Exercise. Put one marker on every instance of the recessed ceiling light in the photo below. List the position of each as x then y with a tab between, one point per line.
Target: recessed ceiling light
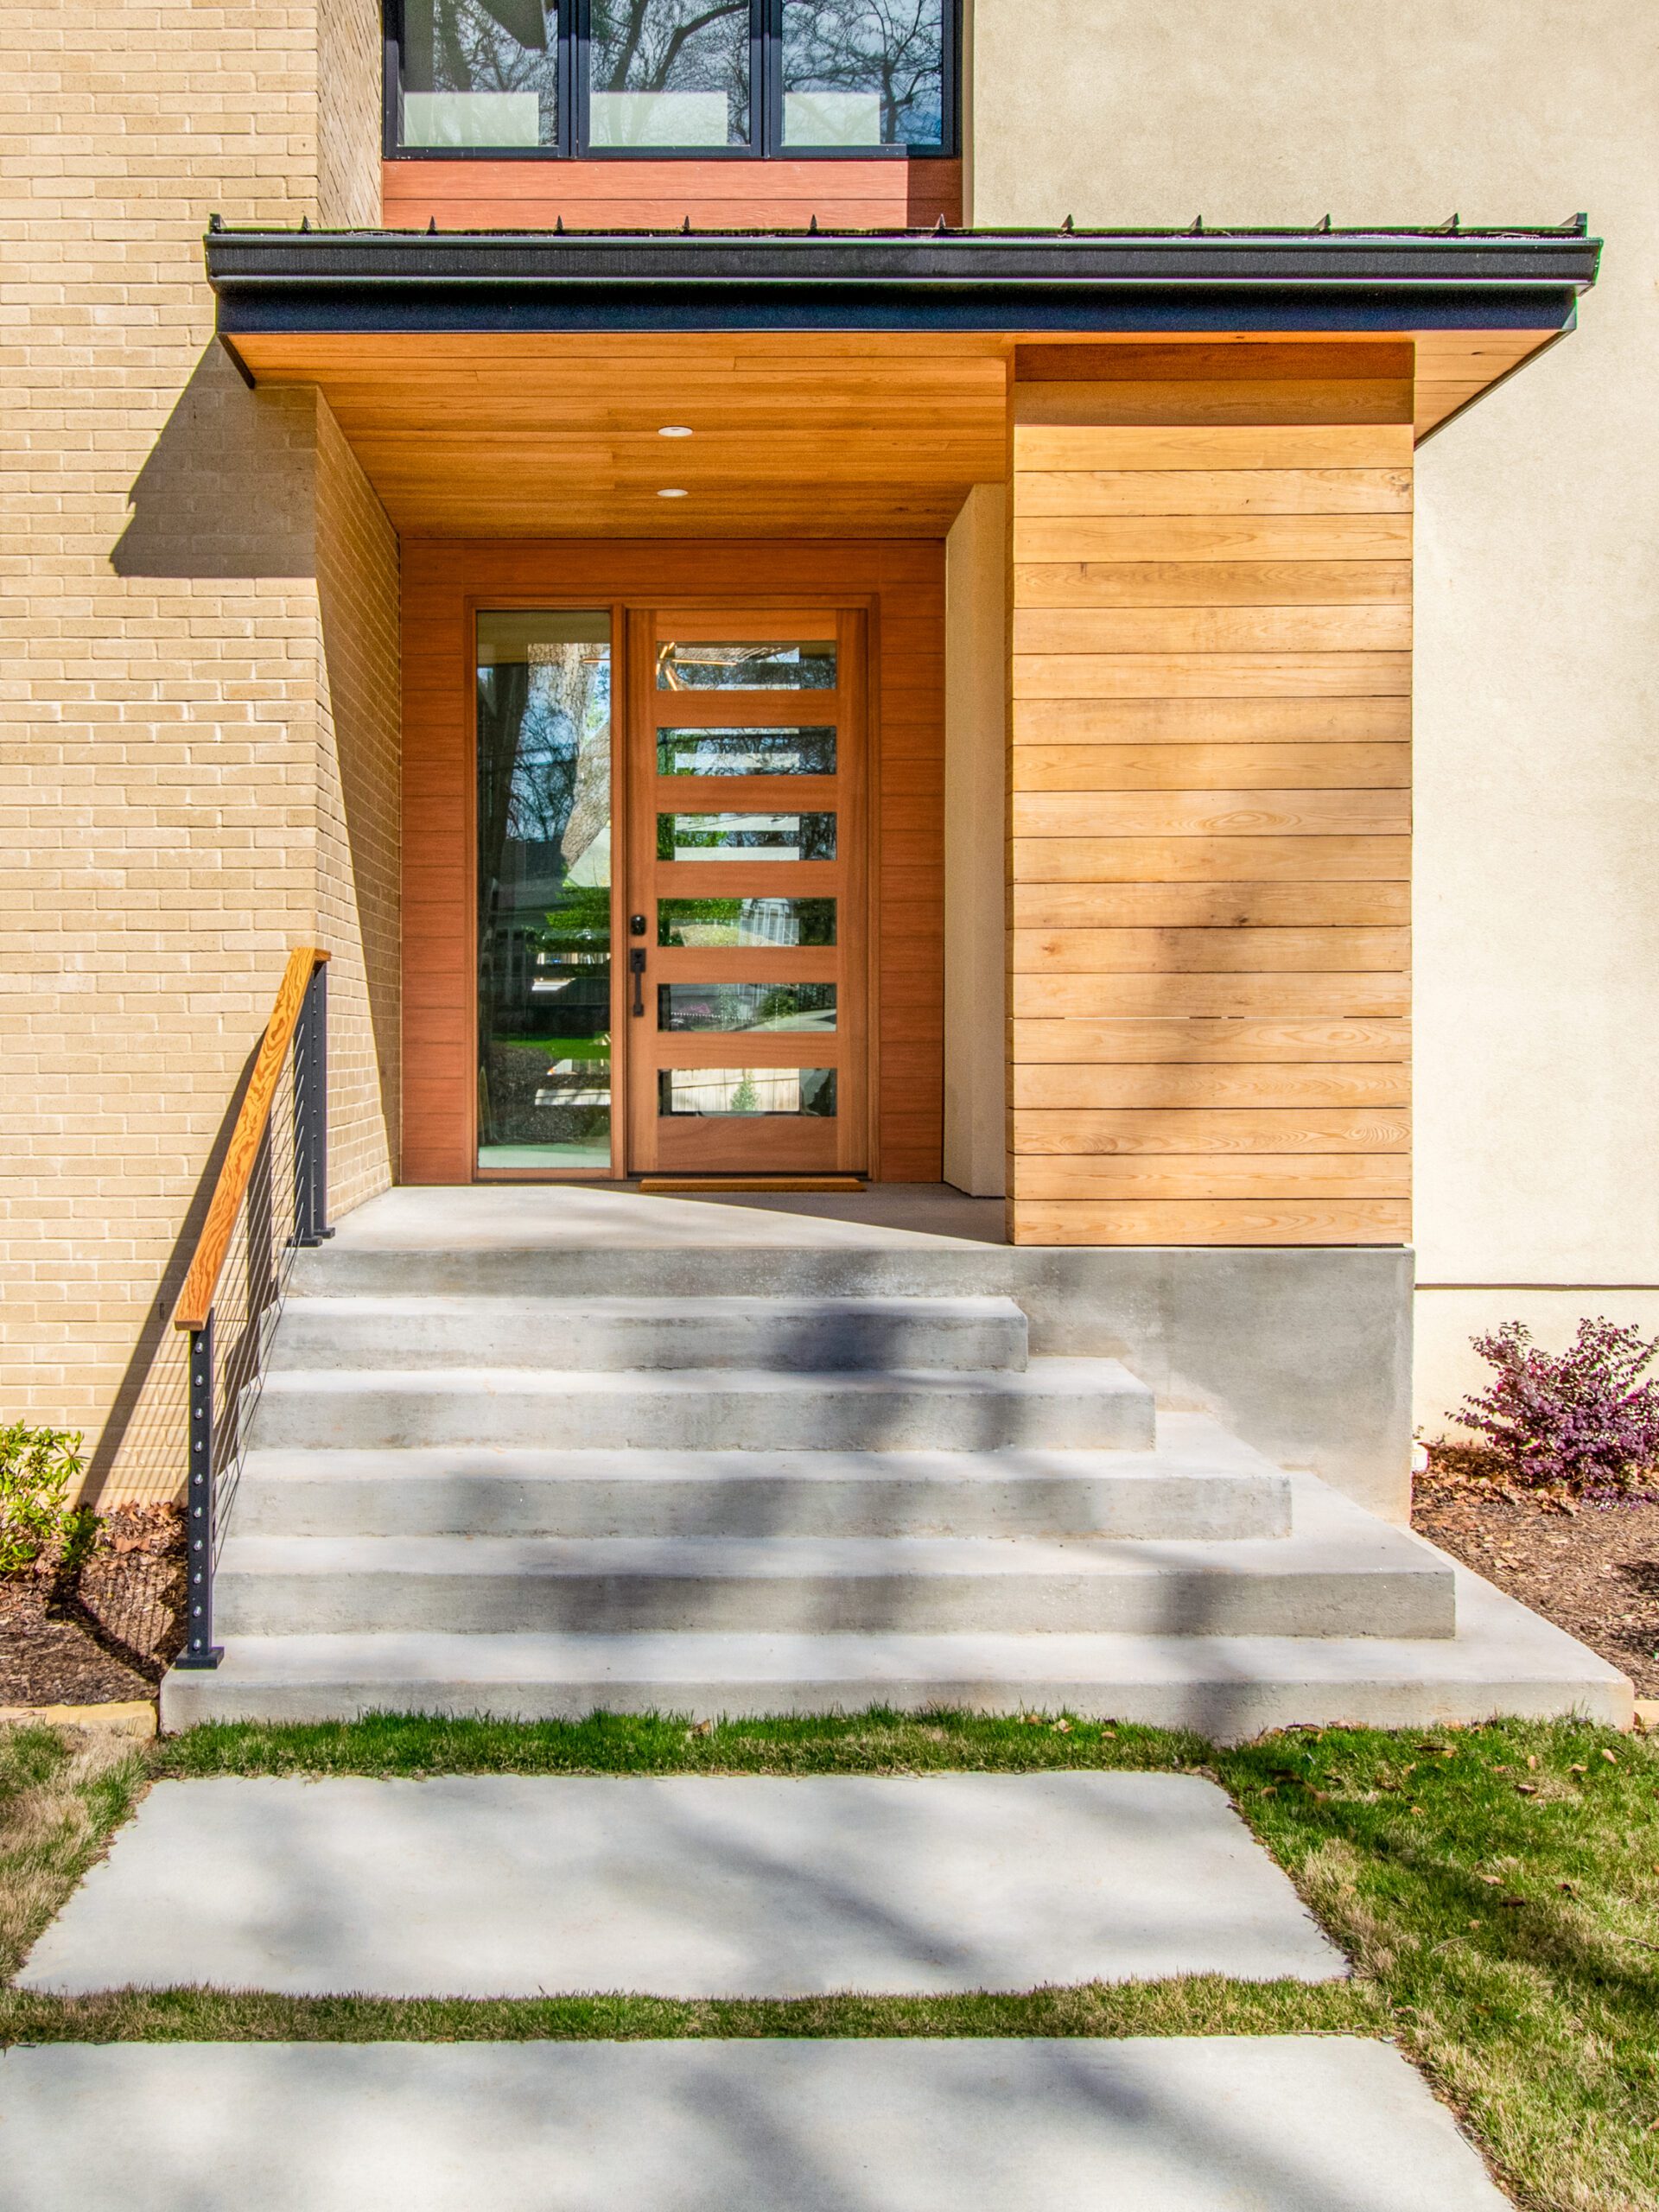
672	491
673	430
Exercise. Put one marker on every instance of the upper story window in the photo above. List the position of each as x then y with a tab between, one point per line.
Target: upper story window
710	78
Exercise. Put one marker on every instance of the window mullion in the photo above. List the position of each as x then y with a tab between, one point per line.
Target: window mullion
565	80
581	32
768	133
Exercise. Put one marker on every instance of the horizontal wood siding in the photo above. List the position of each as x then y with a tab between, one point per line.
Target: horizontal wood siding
660	195
1210	805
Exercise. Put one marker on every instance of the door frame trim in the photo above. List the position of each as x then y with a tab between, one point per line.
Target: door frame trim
623	610
445	580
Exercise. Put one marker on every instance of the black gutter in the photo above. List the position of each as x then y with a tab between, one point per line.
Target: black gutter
390	281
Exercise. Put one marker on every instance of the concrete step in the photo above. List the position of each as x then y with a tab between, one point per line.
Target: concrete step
1502	1659
1340	1571
1067	1404
786	1334
1198	1481
918	1268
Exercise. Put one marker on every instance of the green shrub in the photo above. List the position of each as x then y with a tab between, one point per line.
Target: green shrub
36	1468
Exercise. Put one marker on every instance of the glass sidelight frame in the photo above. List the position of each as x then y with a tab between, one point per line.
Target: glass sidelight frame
544	752
633	790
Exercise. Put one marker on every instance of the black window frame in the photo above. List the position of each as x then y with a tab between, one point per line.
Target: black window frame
766	102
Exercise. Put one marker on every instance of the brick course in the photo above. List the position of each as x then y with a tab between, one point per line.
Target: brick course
197	676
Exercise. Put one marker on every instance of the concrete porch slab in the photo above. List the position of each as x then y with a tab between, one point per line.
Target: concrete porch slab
1276	2124
680	1887
465	1217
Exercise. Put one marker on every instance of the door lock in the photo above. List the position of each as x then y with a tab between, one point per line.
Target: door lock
636	925
637	970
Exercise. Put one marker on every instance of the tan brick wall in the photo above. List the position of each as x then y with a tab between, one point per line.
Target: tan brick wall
191	730
357	856
349	104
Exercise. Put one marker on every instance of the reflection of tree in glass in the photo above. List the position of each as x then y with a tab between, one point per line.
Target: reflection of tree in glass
488	46
654	46
893	48
543	782
561	781
746	921
582	918
769	667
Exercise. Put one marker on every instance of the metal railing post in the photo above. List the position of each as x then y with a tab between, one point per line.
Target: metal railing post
199	1650
311	1113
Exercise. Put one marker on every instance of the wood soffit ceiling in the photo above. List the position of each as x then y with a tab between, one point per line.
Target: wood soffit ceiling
855	435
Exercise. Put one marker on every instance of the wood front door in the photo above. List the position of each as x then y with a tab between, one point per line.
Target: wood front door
745	966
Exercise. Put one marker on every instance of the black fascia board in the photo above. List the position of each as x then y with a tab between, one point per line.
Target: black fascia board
390	281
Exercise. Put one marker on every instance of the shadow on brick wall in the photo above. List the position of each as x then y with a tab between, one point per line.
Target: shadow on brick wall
227	487
140	1452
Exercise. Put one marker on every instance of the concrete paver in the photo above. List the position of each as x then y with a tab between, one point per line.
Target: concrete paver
1292	2124
680	1887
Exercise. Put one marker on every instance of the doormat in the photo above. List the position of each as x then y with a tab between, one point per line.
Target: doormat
661	1185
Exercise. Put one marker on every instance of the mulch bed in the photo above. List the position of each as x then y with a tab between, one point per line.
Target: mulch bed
105	1631
1591	1566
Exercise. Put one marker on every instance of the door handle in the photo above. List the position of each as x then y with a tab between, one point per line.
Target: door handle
637	970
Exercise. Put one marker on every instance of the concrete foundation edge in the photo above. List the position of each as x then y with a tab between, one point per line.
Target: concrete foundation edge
1303	1352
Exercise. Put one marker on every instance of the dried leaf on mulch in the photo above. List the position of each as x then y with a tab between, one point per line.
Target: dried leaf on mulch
103	1630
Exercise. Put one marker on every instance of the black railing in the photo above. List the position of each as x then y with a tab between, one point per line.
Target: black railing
270	1200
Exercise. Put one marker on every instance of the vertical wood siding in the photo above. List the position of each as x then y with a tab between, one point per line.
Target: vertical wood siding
1210	831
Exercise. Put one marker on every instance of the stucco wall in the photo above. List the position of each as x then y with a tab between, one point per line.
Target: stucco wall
182	760
1537	670
976	775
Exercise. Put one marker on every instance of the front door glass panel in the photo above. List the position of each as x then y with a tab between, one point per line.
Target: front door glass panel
735	1007
695	665
701	1093
746	836
543	709
745	752
748	760
740	922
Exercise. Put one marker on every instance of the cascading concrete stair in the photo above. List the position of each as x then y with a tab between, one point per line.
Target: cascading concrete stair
483	1483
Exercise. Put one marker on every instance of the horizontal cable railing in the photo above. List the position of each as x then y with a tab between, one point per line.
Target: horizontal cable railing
271	1198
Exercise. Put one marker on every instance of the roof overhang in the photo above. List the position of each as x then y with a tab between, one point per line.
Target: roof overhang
1079	284
840	384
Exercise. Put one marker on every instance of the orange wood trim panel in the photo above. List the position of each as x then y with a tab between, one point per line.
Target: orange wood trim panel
901	582
853	195
196	1299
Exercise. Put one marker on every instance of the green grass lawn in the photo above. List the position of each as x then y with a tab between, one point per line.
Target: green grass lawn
1496	1888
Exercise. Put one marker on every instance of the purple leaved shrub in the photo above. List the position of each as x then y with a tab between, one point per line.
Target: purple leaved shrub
1581	1418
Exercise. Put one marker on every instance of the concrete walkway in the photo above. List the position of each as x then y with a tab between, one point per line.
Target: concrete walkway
1291	2124
680	1887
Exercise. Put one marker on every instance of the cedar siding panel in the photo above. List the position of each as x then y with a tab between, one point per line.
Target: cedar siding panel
1209	828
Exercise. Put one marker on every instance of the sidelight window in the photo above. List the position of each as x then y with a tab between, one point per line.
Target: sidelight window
543	807
708	78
